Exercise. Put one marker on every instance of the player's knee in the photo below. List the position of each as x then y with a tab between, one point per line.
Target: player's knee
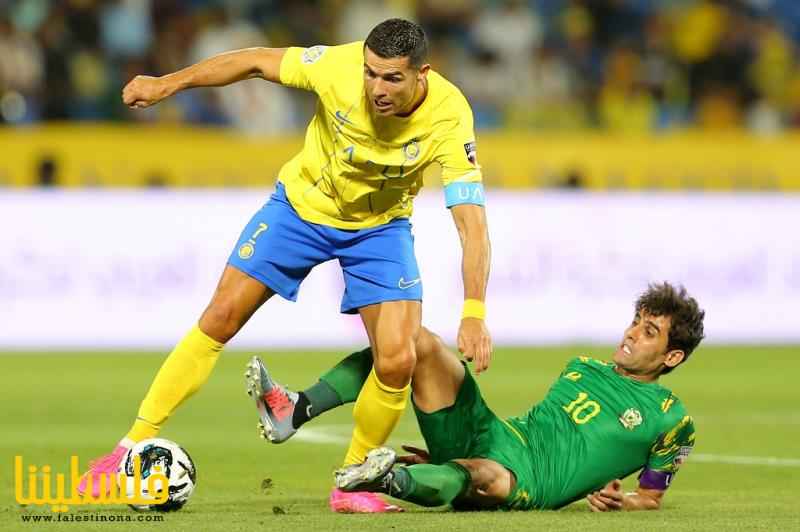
428	345
490	482
219	321
394	364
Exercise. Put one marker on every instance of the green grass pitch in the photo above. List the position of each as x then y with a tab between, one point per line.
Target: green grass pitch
744	400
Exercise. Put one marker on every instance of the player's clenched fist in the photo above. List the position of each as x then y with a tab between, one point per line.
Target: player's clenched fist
475	343
608	499
144	91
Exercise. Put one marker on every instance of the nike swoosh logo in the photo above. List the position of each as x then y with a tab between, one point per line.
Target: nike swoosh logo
341	118
402	284
308	411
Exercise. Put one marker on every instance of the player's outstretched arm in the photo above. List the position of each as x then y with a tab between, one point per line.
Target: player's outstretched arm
218	70
474	341
611	498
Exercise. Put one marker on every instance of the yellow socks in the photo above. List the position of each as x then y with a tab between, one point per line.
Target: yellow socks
184	371
376	413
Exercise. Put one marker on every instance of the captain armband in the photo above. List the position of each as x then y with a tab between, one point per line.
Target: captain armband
460	193
655	480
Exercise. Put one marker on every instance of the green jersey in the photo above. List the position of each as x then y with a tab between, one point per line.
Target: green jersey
595	425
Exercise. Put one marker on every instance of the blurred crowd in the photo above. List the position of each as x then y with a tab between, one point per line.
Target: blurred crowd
620	65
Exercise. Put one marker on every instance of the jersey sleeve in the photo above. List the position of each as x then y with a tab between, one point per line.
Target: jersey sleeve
457	155
314	68
667	455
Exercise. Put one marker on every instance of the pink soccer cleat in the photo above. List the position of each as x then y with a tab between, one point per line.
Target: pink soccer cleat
105	465
360	502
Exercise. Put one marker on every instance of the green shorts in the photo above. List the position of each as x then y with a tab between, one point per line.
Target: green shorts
469	429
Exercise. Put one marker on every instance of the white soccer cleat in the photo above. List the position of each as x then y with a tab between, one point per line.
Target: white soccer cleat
372	474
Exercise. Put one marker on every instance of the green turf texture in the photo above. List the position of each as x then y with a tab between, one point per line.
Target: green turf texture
744	400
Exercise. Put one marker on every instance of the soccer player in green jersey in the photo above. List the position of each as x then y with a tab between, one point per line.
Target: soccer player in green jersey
598	423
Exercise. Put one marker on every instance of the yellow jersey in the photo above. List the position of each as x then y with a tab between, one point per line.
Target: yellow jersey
357	170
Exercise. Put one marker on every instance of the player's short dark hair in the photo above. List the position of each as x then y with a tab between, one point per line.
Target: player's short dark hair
398	37
686	317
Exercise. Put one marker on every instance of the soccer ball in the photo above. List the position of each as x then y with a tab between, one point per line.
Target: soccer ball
158	456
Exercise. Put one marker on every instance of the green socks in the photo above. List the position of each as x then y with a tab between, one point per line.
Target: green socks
348	376
340	385
429	484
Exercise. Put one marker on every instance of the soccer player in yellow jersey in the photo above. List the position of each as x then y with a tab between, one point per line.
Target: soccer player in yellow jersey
383	116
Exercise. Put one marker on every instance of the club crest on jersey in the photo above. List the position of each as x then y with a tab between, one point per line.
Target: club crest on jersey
631	419
246	250
411	150
471	149
312	55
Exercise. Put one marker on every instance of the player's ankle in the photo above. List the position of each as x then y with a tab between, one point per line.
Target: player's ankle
301	412
397	483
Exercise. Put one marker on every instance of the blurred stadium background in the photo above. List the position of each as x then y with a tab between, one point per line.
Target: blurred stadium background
622	141
601	94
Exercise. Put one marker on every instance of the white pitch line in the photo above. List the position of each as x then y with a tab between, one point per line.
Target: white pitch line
335	434
321	435
744	460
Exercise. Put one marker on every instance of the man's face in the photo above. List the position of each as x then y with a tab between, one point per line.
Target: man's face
643	351
392	85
